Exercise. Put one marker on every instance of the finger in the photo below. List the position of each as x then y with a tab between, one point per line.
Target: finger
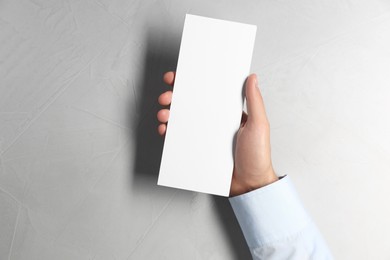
165	98
162	128
163	115
255	105
169	78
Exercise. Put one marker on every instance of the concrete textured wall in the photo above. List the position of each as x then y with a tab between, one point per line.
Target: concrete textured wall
79	154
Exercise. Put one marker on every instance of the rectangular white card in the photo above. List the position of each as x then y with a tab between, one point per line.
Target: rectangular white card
214	61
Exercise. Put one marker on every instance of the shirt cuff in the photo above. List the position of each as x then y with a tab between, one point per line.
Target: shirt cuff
271	213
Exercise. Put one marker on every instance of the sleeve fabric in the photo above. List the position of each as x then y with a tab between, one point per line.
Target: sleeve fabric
276	226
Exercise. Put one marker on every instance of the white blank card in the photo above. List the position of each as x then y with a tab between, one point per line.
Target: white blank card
214	61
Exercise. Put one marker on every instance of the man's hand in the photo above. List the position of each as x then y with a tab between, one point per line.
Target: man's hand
252	158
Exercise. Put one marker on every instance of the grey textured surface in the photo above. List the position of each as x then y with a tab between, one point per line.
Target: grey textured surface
79	153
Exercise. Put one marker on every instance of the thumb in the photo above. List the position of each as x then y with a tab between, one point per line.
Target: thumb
254	101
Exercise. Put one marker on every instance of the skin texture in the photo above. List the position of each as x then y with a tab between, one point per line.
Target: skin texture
252	158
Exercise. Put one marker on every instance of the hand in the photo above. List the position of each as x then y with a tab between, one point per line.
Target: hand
252	158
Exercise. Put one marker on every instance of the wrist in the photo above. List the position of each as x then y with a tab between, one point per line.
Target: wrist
266	179
240	187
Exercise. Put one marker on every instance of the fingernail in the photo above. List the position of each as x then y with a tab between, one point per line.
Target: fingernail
255	80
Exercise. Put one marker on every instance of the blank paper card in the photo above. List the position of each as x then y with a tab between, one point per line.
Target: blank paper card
207	102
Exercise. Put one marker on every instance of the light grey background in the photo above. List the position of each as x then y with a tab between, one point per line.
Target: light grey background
79	153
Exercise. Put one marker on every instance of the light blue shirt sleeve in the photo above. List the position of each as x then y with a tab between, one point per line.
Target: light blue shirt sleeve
276	226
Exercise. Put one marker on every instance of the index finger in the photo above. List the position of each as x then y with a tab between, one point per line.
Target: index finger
169	78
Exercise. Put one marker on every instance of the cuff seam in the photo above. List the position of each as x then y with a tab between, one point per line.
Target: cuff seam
287	237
